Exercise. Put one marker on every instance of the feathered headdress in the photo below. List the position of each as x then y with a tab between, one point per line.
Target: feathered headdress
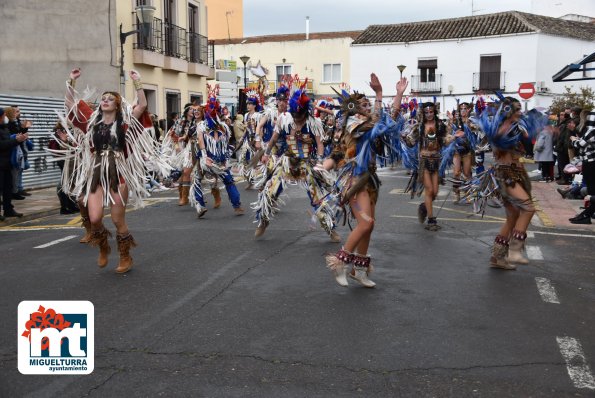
282	93
351	104
256	98
299	102
212	108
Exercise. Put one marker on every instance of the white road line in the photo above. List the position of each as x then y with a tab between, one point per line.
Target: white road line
576	363
534	253
530	234
55	242
564	234
547	291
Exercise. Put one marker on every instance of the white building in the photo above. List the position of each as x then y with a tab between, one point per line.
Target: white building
460	58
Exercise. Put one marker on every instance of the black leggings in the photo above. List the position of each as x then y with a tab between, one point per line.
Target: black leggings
589	179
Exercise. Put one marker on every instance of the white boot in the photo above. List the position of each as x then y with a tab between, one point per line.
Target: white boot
361	269
515	252
338	264
200	210
360	274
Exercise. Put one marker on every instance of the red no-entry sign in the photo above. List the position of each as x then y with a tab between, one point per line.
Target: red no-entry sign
526	90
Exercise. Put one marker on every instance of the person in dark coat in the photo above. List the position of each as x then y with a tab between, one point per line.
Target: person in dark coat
7	144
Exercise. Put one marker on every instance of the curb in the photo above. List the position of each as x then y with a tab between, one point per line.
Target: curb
28	217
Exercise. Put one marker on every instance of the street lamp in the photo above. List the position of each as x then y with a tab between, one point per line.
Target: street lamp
401	68
245	60
145	17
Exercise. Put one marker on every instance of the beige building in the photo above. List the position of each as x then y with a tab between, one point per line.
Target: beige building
292	54
226	18
172	52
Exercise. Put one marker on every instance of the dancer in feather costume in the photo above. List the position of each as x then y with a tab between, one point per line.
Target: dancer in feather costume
357	182
297	138
507	179
109	162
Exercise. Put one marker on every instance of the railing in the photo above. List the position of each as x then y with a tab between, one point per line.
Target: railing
211	53
417	86
174	41
273	85
197	48
150	39
489	81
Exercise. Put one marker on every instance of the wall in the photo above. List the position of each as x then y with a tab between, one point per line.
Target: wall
306	57
219	22
42	43
525	58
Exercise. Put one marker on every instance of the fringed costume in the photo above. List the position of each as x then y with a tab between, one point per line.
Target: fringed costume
214	152
505	131
297	151
355	157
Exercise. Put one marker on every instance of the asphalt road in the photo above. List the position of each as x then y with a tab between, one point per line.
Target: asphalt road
208	311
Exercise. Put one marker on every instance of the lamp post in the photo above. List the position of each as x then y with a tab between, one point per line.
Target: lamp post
145	17
245	60
401	68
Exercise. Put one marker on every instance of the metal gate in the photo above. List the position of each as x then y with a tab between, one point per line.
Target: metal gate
42	112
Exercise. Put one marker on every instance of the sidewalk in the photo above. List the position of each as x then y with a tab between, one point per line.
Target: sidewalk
553	211
41	203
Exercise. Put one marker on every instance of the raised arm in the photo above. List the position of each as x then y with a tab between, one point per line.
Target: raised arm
140	94
74	74
401	87
377	87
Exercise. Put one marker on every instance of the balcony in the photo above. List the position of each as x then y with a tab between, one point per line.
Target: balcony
489	81
169	46
273	85
417	86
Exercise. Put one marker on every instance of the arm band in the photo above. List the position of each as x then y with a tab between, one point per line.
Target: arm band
138	85
71	82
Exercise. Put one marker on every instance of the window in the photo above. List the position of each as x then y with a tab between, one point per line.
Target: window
282	70
427	70
489	72
196	99
172	103
331	73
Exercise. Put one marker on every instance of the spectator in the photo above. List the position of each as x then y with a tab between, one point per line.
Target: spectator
157	127
19	155
586	147
7	144
564	150
544	154
171	121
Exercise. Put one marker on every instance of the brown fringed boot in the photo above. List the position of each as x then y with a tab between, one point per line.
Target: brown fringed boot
179	193
338	264
499	253
515	250
217	195
100	239
125	242
86	224
361	270
185	192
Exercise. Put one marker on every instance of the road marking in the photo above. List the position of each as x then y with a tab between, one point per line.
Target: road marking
36	228
55	242
576	363
74	221
564	234
469	213
534	253
455	219
546	290
545	219
530	234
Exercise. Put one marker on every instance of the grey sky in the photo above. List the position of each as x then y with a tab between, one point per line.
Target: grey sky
265	17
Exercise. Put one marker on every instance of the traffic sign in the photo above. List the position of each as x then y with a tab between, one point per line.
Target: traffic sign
526	90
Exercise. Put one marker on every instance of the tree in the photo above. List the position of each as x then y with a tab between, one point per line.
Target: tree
584	100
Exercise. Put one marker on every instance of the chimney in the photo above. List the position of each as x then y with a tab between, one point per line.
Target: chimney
307	28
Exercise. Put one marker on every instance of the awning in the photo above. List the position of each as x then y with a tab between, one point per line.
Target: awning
579	67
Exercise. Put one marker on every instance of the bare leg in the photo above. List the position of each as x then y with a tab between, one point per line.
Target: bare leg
118	210
364	214
429	192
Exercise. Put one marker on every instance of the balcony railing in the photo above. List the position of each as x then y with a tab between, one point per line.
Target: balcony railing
489	81
174	41
417	86
151	40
